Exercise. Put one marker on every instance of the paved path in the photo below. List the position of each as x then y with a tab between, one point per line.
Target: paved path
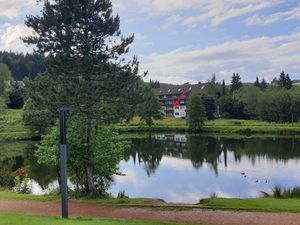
193	216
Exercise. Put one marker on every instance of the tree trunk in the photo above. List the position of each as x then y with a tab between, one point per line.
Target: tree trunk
89	166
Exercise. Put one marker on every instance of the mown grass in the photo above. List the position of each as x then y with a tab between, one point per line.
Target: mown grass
11	125
17	219
106	201
257	204
14	196
244	127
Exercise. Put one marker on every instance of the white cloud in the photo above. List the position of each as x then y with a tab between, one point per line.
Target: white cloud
10	37
214	12
139	37
293	14
13	9
172	20
133	178
264	56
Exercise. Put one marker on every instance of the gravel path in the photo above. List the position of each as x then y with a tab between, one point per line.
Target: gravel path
193	216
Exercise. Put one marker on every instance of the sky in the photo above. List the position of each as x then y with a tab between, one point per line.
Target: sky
189	40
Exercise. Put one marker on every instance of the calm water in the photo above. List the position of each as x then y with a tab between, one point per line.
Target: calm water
180	168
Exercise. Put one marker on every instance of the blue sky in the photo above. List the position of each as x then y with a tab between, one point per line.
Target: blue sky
189	40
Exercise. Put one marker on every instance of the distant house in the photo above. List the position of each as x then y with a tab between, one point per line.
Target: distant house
174	98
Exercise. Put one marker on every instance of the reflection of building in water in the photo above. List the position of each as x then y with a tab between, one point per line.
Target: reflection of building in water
175	145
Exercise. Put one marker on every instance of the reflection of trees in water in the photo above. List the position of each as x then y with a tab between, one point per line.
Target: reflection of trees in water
277	149
42	174
204	149
209	150
147	151
14	155
11	158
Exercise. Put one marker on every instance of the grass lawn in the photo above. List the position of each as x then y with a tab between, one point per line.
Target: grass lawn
257	204
109	201
11	125
14	196
17	219
216	126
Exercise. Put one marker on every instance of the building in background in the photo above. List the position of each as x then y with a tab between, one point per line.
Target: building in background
174	98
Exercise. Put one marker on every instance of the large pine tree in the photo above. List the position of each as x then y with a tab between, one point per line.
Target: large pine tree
86	69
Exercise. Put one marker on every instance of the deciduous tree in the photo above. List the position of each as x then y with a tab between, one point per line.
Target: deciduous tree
195	113
149	106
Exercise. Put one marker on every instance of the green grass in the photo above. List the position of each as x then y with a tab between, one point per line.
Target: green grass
11	125
108	201
244	127
257	204
13	149
16	219
14	196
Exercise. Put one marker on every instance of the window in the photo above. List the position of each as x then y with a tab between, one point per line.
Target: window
177	114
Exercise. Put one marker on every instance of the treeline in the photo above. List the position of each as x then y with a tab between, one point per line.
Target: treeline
154	84
23	65
278	101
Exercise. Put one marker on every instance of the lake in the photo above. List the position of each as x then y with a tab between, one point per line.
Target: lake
183	168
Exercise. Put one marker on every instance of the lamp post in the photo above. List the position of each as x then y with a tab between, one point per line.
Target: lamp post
63	162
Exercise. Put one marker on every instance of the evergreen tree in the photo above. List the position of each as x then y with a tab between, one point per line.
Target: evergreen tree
236	83
195	113
263	85
149	106
223	88
86	69
23	65
257	84
282	80
285	81
288	82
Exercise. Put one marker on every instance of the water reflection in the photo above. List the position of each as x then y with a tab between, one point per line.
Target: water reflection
189	167
180	168
14	155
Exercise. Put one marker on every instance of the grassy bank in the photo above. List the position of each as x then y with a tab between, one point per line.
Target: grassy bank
257	204
4	195
16	219
11	125
225	126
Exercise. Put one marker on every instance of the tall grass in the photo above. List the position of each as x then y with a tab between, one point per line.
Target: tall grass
279	192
